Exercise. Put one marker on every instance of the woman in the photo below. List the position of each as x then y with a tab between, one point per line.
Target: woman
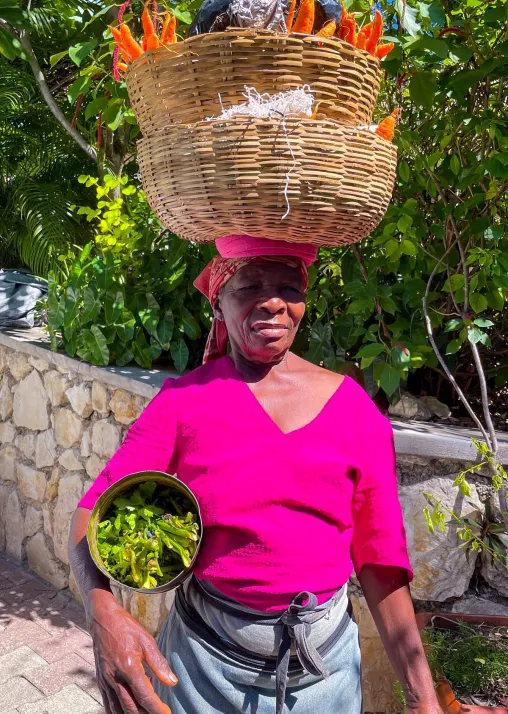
294	470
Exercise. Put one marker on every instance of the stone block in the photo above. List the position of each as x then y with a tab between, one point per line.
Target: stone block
6	401
43	562
94	466
14	526
3	359
442	569
45	449
8	458
41	365
56	386
33	521
495	572
80	398
69	460
70	490
31	403
86	443
15	691
7	432
26	444
31	482
472	605
52	485
105	438
68	428
100	399
69	699
18	365
126	407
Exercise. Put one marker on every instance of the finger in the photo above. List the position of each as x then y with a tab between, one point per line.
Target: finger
144	695
111	702
158	663
130	706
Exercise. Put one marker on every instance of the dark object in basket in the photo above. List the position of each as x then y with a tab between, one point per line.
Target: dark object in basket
215	16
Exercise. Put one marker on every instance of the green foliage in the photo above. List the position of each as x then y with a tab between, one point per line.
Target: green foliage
474	660
148	537
128	296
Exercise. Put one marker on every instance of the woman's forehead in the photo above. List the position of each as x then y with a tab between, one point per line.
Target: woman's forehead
268	270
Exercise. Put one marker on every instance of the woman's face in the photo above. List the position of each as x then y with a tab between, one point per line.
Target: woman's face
262	306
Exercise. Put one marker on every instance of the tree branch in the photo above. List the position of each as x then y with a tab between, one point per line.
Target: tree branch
24	39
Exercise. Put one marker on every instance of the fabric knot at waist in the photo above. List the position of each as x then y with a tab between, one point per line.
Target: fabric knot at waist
204	611
297	630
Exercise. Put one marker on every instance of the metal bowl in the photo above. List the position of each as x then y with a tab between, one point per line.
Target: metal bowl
118	489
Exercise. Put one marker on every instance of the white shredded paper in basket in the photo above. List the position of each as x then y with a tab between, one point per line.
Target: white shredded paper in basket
292	103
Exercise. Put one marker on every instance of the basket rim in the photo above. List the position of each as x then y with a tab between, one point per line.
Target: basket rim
250	32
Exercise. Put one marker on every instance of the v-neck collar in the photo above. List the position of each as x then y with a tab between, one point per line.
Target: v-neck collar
238	377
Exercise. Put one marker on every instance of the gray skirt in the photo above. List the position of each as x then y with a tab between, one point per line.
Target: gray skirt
213	679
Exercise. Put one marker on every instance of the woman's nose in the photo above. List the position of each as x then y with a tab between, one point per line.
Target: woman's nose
273	305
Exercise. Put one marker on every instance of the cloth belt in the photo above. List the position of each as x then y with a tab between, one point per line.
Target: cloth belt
295	633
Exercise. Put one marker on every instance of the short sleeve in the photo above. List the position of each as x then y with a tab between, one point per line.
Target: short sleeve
149	445
379	536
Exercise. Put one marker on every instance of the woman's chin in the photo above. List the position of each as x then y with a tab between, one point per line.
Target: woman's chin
268	350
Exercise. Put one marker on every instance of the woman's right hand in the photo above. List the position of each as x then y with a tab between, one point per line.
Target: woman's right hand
121	646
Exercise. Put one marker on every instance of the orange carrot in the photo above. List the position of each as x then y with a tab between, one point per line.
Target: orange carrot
348	29
130	44
305	20
383	50
150	39
168	34
363	36
387	127
122	67
375	35
328	30
291	15
117	35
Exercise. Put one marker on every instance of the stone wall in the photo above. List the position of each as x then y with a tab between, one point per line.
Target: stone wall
61	419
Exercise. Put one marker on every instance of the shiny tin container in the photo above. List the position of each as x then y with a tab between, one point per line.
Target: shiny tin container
119	489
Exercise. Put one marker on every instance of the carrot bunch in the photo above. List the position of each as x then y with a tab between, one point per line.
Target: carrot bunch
130	49
367	38
386	128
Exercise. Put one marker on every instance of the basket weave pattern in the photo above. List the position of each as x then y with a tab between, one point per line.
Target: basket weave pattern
228	177
182	83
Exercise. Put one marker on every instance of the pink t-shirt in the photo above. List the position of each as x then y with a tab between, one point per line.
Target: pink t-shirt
282	513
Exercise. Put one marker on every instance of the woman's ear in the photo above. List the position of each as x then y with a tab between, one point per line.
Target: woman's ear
217	312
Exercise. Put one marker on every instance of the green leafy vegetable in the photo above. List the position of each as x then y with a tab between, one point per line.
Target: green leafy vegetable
148	536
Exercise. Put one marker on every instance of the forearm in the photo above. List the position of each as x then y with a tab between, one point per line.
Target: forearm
92	584
389	601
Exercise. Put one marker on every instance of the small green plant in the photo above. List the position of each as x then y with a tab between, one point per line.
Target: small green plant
128	296
473	659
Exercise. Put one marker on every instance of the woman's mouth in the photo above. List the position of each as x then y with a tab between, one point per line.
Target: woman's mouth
271	330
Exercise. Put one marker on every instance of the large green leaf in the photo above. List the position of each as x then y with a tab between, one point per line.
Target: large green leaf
95	343
91	305
149	315
80	52
114	302
80	86
180	354
190	326
141	350
165	329
422	89
387	377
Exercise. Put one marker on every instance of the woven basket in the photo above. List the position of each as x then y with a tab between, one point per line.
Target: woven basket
182	83
229	177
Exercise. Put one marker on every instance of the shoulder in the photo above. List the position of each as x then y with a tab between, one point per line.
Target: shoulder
315	374
201	376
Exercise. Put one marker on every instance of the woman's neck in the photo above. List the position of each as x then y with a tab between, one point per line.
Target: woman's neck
257	371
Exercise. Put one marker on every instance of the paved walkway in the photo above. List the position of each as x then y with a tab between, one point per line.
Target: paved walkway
46	657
